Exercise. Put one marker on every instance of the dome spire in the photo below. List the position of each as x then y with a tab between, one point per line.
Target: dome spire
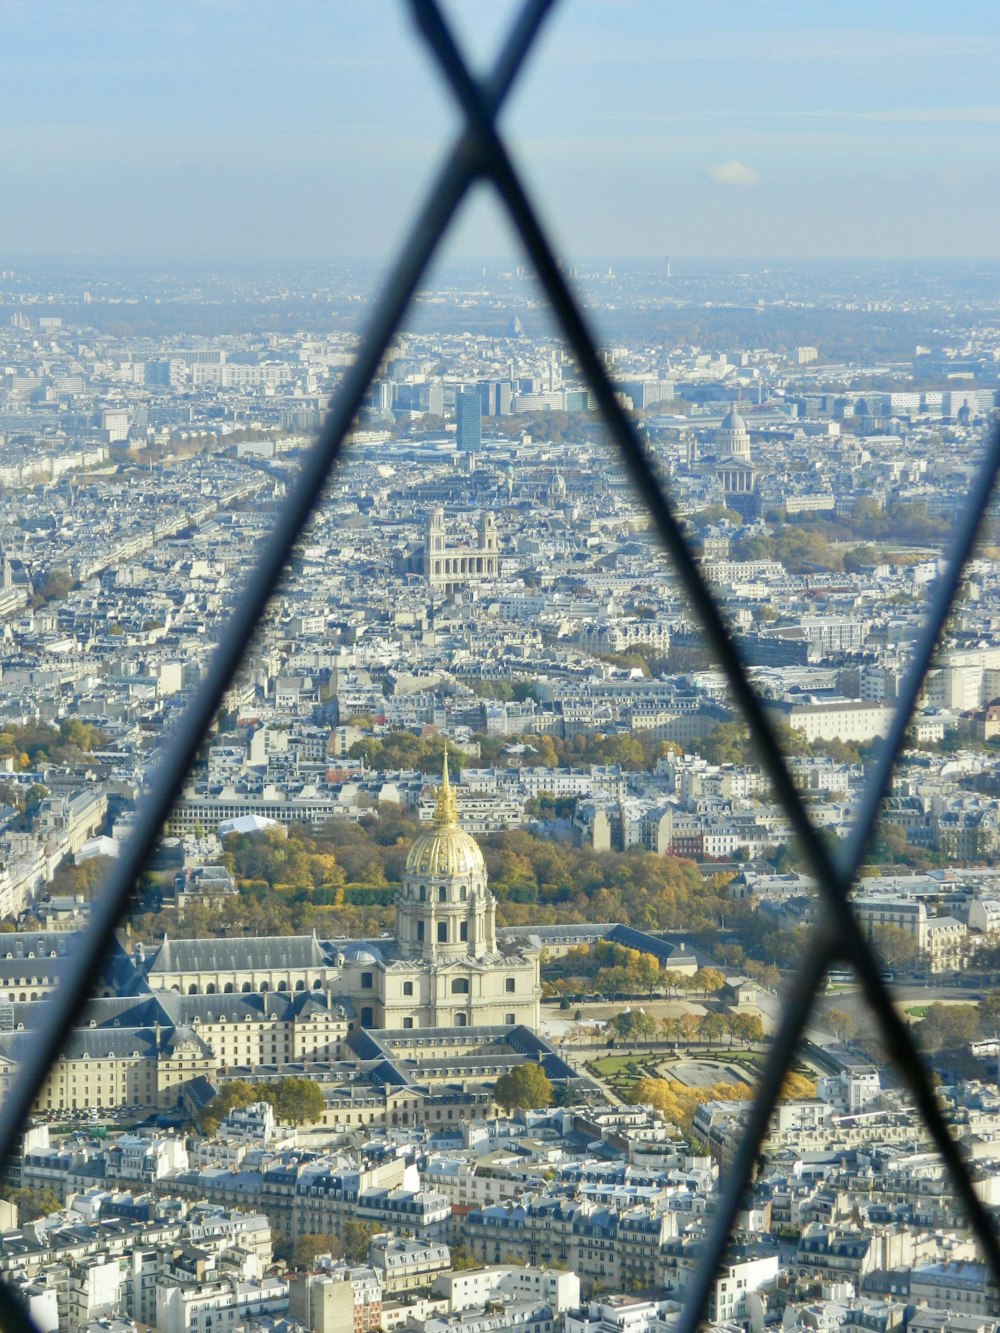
446	806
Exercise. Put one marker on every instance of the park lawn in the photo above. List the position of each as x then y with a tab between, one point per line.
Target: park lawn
917	1011
620	1072
613	1065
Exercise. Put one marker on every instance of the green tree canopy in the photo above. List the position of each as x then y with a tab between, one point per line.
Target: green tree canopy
946	1027
33	1203
307	1249
524	1088
296	1101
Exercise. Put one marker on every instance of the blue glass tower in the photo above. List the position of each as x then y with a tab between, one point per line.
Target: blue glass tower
468	410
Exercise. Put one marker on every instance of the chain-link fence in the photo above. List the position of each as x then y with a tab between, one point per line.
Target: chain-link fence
480	155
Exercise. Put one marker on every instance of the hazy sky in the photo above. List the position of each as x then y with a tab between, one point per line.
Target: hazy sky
212	127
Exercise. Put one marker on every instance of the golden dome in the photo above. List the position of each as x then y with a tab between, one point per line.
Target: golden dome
447	850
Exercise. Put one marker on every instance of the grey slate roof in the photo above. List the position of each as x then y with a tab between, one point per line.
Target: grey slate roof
211	955
44	954
168	1009
98	1043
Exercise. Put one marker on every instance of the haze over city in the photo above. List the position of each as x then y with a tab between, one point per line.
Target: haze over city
309	130
467	924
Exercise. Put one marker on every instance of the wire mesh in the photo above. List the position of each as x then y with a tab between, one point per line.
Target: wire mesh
481	154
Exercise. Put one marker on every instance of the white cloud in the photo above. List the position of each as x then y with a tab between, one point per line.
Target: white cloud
732	173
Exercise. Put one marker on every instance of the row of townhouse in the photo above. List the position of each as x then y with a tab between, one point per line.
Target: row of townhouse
618	1247
119	1254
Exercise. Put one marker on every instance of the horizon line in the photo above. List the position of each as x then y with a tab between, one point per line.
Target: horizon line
659	260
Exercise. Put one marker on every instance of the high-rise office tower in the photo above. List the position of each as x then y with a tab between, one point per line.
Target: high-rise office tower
468	408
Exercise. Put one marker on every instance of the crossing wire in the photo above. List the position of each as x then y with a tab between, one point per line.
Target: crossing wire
480	153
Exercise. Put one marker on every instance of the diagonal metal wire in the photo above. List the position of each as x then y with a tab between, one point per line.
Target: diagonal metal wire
460	171
838	933
481	152
456	177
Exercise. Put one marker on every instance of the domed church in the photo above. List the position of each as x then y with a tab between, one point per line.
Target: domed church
732	439
446	968
734	468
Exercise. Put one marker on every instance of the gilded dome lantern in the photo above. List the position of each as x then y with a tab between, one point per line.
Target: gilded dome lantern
445	909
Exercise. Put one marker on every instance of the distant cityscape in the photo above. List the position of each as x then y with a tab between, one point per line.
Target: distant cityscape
440	1003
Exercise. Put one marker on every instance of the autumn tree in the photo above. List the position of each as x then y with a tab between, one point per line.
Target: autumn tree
83	879
840	1023
896	947
296	1101
689	1027
948	1027
237	1093
669	1028
796	1087
523	1088
713	1027
677	1103
462	1258
747	1027
890	845
33	1203
357	1237
709	979
307	1250
635	1025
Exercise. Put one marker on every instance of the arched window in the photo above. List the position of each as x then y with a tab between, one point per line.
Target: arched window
463	893
192	990
300	985
442	894
461	1020
282	985
246	987
423	893
460	986
228	988
210	988
264	988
